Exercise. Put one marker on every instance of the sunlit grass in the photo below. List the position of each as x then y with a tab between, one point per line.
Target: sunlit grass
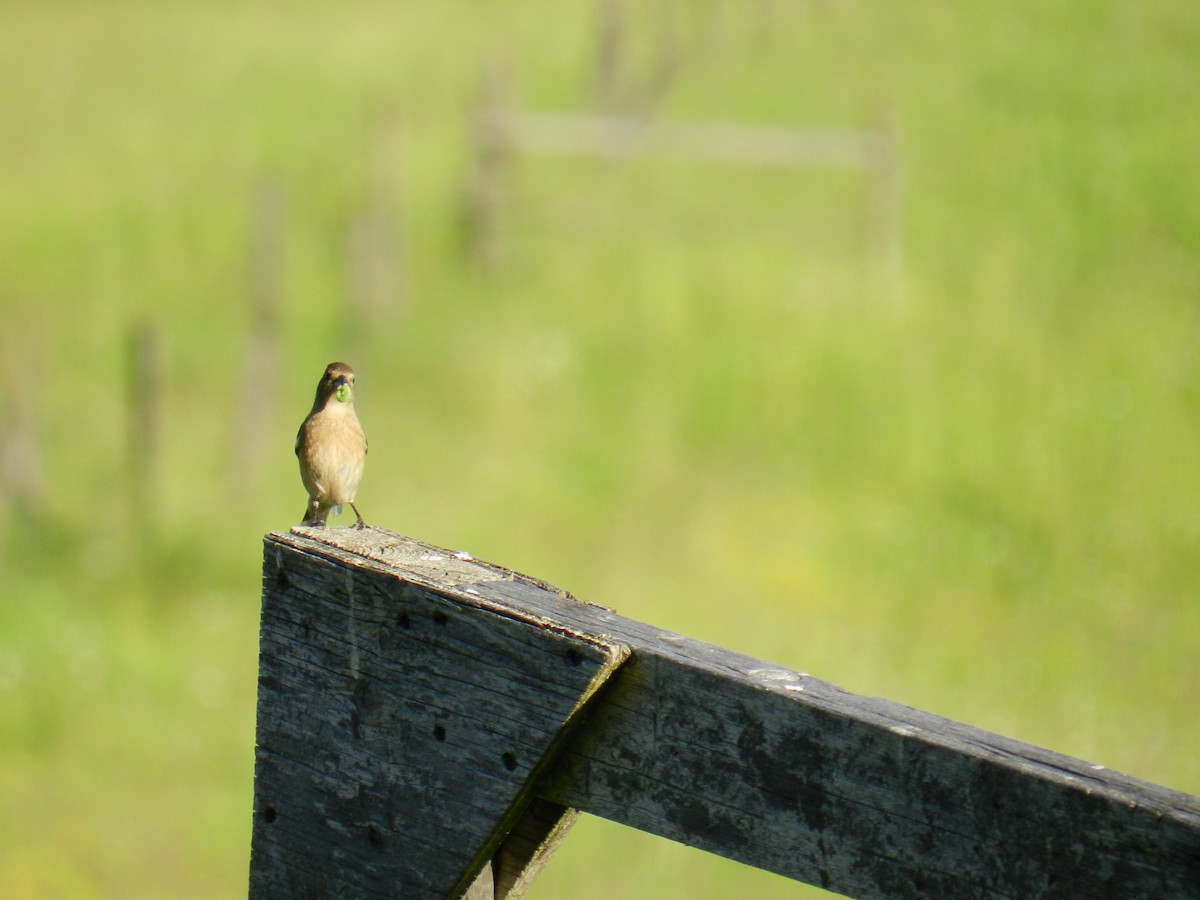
689	392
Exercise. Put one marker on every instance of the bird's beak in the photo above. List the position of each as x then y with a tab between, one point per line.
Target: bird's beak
343	389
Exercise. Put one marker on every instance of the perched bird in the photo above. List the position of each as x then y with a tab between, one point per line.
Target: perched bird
332	448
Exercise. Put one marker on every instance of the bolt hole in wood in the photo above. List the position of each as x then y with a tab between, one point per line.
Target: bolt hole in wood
403	621
269	814
439	732
440	618
574	657
509	759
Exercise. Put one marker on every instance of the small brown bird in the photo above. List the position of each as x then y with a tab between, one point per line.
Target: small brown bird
332	448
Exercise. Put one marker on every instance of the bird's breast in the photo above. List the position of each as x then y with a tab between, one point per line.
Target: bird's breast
332	450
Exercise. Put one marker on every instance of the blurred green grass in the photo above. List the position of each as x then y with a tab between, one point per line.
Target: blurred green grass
688	392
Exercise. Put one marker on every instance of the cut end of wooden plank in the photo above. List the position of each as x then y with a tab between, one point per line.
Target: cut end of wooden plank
404	718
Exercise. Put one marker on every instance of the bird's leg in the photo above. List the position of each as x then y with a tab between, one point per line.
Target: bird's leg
312	515
360	523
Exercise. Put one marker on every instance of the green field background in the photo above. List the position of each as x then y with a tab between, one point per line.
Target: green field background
964	476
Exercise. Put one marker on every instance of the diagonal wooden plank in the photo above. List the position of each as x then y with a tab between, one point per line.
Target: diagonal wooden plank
400	730
860	795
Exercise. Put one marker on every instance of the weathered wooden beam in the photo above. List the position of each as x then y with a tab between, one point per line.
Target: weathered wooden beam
400	731
772	767
859	795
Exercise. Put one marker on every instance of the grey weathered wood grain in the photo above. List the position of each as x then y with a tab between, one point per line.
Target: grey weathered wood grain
781	770
859	795
399	731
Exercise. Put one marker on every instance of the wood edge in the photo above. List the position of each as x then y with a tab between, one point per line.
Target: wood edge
467	593
518	815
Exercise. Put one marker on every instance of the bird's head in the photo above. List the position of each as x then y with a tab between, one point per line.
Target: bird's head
337	382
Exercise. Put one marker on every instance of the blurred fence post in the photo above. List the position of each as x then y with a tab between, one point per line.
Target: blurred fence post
259	394
375	257
613	88
427	723
489	177
21	466
885	199
144	419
